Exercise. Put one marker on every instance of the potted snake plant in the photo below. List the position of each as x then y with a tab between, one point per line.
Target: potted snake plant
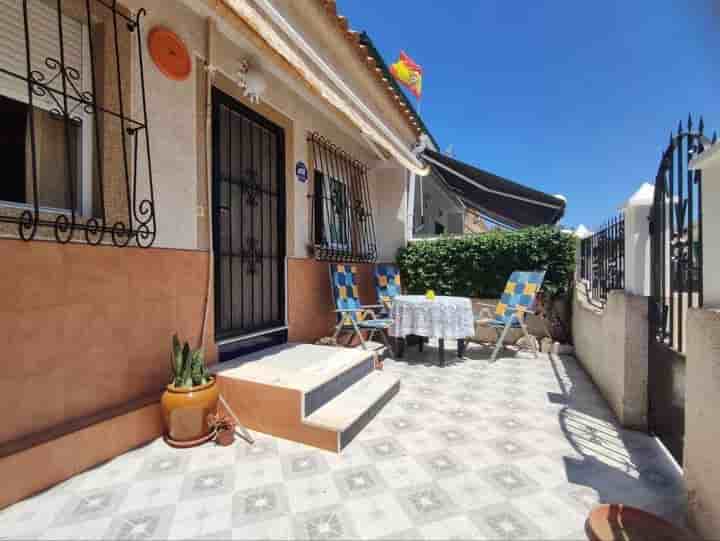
189	398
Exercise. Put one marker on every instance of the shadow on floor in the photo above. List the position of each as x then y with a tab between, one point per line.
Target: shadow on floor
618	464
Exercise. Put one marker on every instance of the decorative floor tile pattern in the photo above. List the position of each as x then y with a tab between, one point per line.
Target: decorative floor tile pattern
470	451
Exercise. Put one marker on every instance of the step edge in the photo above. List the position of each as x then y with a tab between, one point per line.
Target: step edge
392	381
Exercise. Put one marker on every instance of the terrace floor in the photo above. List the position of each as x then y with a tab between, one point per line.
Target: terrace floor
519	449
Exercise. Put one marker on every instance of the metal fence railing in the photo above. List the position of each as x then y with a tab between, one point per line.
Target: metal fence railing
602	258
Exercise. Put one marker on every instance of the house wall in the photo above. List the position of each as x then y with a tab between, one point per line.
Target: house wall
611	344
87	328
310	303
702	431
436	208
711	223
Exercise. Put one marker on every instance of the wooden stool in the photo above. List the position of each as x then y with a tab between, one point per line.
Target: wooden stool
617	522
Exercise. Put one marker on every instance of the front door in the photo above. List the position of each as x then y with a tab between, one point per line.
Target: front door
248	222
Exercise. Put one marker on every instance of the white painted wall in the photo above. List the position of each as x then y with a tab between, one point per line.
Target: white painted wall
175	118
637	240
711	229
435	206
387	185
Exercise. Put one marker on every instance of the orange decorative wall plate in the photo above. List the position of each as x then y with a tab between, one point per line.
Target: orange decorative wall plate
169	53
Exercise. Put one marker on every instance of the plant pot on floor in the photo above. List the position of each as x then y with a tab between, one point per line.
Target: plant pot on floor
185	411
225	436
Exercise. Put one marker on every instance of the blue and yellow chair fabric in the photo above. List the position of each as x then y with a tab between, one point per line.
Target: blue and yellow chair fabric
351	314
387	284
517	300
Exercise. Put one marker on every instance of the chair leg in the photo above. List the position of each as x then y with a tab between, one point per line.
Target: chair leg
360	336
529	338
500	341
386	341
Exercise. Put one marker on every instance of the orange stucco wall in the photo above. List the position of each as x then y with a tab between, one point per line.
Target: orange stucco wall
87	328
310	306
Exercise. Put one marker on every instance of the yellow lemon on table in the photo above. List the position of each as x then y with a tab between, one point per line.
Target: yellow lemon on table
430	294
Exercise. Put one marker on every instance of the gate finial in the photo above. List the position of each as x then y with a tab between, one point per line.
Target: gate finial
714	139
701	127
680	128
689	124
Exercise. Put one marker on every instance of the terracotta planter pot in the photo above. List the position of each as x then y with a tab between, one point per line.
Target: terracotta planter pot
185	411
225	437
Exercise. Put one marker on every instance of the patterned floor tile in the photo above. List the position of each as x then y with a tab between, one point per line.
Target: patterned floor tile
510	448
197	519
377	516
154	493
384	448
259	504
359	482
452	435
91	529
254	473
306	464
510	480
271	530
327	523
399	479
402	472
35	515
545	508
163	465
426	503
312	493
262	449
504	521
153	523
403	425
208	483
91	505
459	527
441	464
471	491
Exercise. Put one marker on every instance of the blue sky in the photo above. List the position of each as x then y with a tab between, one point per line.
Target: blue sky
569	97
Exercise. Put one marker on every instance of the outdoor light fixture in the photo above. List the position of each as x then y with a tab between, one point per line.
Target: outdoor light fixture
252	81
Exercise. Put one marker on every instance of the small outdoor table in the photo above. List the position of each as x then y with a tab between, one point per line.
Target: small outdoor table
441	318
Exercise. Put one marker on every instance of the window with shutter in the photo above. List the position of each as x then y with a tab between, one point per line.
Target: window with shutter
63	153
76	160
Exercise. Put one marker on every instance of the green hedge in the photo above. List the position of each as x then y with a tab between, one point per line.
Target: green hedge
479	265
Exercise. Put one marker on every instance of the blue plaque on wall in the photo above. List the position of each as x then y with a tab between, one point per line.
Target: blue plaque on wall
301	171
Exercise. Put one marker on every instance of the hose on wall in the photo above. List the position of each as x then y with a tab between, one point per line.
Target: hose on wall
210	74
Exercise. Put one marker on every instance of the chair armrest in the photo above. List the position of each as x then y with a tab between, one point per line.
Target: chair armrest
521	309
482	304
343	310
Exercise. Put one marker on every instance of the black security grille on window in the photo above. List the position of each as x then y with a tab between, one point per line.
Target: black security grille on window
78	162
343	227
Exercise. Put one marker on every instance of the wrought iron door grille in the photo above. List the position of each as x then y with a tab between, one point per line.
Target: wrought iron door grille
248	220
602	258
343	228
677	238
131	215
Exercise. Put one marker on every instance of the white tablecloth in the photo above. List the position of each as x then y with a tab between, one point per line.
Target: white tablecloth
443	317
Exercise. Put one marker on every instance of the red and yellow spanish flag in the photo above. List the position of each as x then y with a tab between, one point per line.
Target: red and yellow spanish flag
408	73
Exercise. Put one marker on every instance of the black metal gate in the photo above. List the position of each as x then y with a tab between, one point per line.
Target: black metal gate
248	220
676	282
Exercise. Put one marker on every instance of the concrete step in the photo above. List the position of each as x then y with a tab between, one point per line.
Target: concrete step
351	410
277	390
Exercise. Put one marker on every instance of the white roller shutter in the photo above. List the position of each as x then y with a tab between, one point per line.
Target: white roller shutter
44	43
